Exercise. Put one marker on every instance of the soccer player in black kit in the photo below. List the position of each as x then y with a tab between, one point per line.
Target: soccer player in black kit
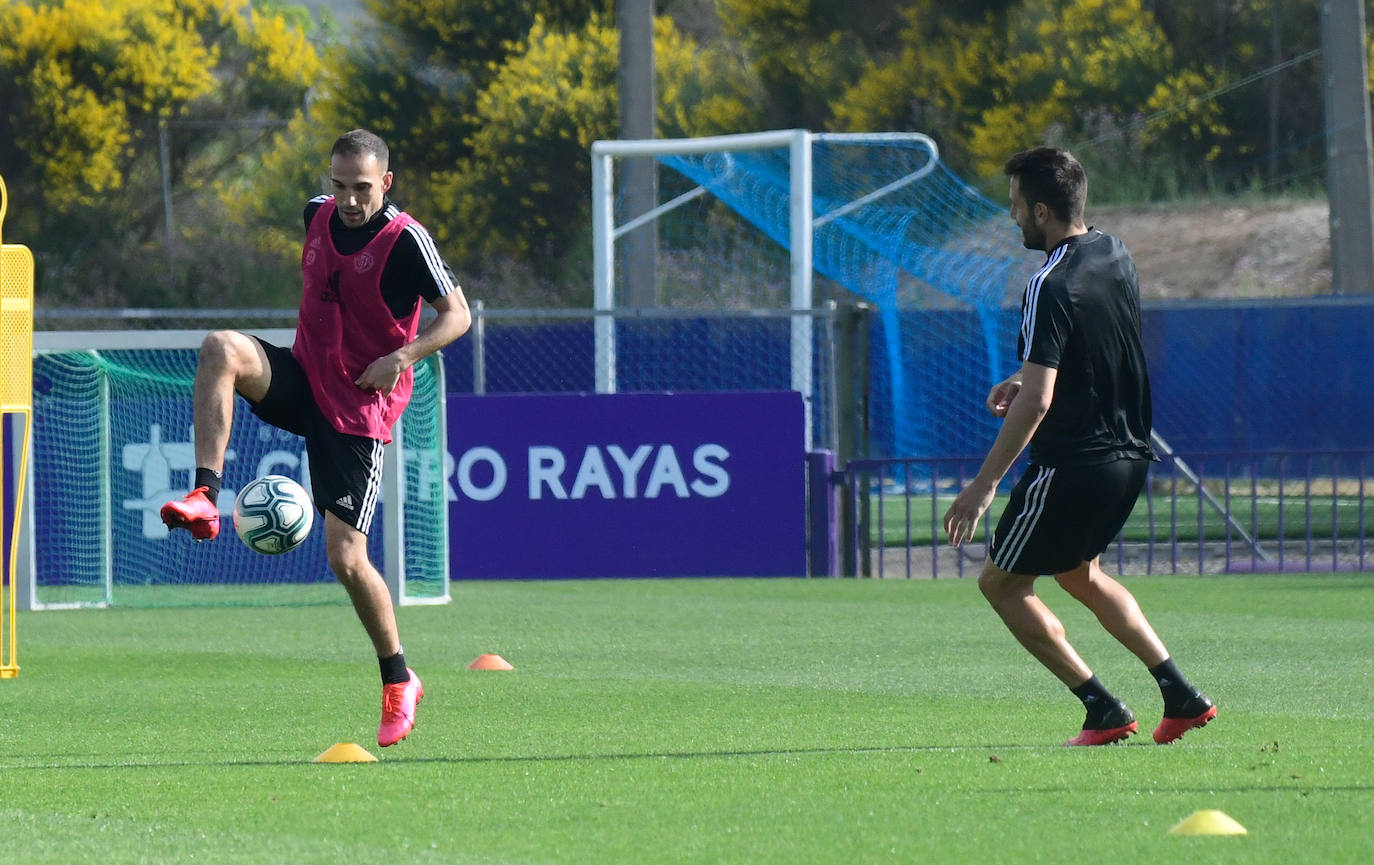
1081	401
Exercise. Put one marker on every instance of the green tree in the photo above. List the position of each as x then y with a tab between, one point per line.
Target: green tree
508	203
1095	75
523	193
414	72
938	82
1263	78
806	52
98	84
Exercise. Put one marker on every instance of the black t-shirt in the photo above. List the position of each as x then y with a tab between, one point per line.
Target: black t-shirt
413	270
1080	314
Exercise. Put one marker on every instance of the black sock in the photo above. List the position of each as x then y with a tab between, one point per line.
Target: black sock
394	669
1105	712
208	478
1179	694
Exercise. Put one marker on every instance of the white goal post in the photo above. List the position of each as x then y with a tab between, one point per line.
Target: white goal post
802	223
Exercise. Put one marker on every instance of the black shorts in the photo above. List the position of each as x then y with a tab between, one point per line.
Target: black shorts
1058	518
345	470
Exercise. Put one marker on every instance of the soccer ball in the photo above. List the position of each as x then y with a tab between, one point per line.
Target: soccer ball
273	514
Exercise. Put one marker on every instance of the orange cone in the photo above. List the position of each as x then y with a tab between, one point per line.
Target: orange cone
490	662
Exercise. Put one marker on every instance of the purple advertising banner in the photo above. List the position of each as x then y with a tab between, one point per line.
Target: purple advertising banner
627	485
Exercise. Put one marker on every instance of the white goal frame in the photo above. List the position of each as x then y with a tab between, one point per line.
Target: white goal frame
393	471
802	224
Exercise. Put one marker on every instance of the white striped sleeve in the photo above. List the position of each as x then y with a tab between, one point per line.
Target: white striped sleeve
1030	306
434	262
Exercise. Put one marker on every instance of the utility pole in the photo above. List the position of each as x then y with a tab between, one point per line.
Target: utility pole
1275	103
1349	171
165	162
635	20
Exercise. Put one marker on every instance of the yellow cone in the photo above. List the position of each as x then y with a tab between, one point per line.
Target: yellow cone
490	662
1207	823
345	752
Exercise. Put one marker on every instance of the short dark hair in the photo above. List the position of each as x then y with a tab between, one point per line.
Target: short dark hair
360	142
1052	176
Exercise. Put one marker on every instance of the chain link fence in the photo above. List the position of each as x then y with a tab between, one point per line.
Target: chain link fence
658	350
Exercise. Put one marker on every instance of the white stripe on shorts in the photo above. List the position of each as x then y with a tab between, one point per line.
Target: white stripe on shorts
374	488
1024	524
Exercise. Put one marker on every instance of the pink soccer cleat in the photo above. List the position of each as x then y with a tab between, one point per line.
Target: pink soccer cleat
1091	738
1198	713
195	513
1114	725
398	709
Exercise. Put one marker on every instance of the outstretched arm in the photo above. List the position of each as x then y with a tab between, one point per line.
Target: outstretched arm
1022	409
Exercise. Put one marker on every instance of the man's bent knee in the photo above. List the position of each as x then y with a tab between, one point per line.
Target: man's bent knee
346	550
997	585
228	351
238	357
222	347
348	566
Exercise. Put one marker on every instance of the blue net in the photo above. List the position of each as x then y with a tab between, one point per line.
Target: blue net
896	228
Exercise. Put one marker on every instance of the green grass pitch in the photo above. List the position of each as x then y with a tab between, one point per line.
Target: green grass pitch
691	721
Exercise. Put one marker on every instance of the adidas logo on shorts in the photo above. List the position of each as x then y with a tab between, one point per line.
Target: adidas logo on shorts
345	502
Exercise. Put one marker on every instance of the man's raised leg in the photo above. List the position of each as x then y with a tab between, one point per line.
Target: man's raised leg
229	361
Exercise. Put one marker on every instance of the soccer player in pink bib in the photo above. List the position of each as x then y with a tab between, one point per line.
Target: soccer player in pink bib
365	268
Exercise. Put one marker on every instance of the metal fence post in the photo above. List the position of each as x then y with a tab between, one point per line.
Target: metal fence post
851	376
479	347
823	511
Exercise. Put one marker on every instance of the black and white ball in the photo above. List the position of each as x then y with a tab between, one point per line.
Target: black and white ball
273	515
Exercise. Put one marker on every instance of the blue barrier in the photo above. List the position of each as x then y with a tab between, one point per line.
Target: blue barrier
1237	376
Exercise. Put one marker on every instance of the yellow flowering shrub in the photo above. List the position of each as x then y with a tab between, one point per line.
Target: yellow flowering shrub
93	78
523	192
1046	71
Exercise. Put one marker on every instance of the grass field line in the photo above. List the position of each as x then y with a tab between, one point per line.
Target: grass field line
993	750
1302	785
535	758
1324	501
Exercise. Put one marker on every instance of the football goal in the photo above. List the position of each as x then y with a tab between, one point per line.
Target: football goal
113	441
792	218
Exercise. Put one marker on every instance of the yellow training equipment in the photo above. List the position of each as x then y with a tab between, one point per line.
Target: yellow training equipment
16	400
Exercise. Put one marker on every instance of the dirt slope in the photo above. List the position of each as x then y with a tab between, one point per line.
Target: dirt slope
1273	249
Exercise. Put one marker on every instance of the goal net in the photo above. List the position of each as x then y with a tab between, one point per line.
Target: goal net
793	218
113	442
